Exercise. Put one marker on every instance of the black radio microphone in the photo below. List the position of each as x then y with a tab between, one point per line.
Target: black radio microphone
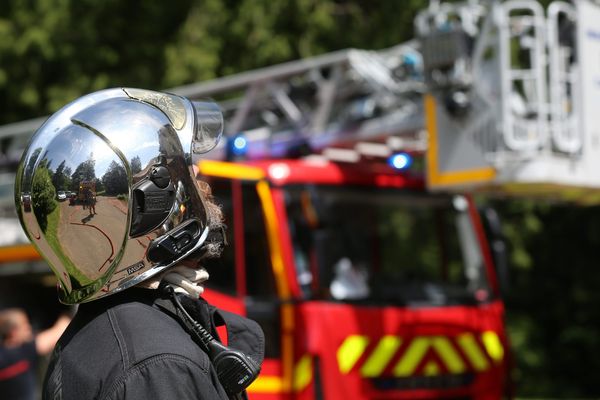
236	371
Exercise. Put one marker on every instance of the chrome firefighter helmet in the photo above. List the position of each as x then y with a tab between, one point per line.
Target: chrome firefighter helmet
112	194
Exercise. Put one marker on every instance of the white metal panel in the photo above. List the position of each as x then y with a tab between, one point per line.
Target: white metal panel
563	79
524	125
588	39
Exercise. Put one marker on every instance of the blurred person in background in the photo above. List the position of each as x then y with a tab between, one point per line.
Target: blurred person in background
19	352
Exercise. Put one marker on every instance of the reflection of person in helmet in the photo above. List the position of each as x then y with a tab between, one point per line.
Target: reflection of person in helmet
90	200
141	330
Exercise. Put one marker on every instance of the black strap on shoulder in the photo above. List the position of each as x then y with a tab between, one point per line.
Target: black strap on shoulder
237	364
243	334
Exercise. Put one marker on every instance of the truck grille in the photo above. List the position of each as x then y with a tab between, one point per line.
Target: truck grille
424	382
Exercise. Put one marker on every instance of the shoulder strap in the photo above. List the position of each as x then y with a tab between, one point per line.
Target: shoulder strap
243	334
238	363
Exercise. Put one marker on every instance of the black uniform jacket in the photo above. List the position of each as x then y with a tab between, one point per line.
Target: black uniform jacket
126	347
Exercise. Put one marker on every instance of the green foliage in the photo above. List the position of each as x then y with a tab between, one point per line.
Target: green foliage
136	165
53	51
553	299
78	279
115	179
43	196
61	178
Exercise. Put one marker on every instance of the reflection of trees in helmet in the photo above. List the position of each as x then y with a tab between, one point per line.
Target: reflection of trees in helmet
115	179
43	195
47	213
61	179
30	167
136	165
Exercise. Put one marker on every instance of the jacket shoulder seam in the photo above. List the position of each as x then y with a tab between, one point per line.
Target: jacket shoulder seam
113	320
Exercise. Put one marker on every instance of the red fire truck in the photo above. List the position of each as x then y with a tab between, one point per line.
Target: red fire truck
367	286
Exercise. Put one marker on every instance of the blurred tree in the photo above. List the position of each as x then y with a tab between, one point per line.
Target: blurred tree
553	300
115	179
52	51
277	31
193	54
61	178
136	165
55	50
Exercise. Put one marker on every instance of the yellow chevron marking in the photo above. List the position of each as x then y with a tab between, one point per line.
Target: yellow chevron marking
493	345
272	384
472	351
350	351
354	347
448	354
302	373
266	384
411	358
381	356
431	369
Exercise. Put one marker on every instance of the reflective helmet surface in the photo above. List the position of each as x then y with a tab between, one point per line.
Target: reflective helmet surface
111	193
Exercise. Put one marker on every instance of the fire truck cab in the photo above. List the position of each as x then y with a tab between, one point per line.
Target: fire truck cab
86	189
366	285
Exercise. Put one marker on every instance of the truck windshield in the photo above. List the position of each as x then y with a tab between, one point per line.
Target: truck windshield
356	245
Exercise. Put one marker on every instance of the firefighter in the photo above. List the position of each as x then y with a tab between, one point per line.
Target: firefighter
90	200
20	348
141	330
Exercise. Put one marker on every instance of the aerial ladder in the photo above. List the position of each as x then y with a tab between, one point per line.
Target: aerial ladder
340	105
345	99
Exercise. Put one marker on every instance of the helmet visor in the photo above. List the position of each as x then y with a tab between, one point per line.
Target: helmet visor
208	128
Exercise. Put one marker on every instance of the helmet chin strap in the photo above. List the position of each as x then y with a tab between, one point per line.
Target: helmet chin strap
187	281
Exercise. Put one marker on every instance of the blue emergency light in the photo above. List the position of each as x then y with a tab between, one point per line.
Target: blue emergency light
400	161
238	145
